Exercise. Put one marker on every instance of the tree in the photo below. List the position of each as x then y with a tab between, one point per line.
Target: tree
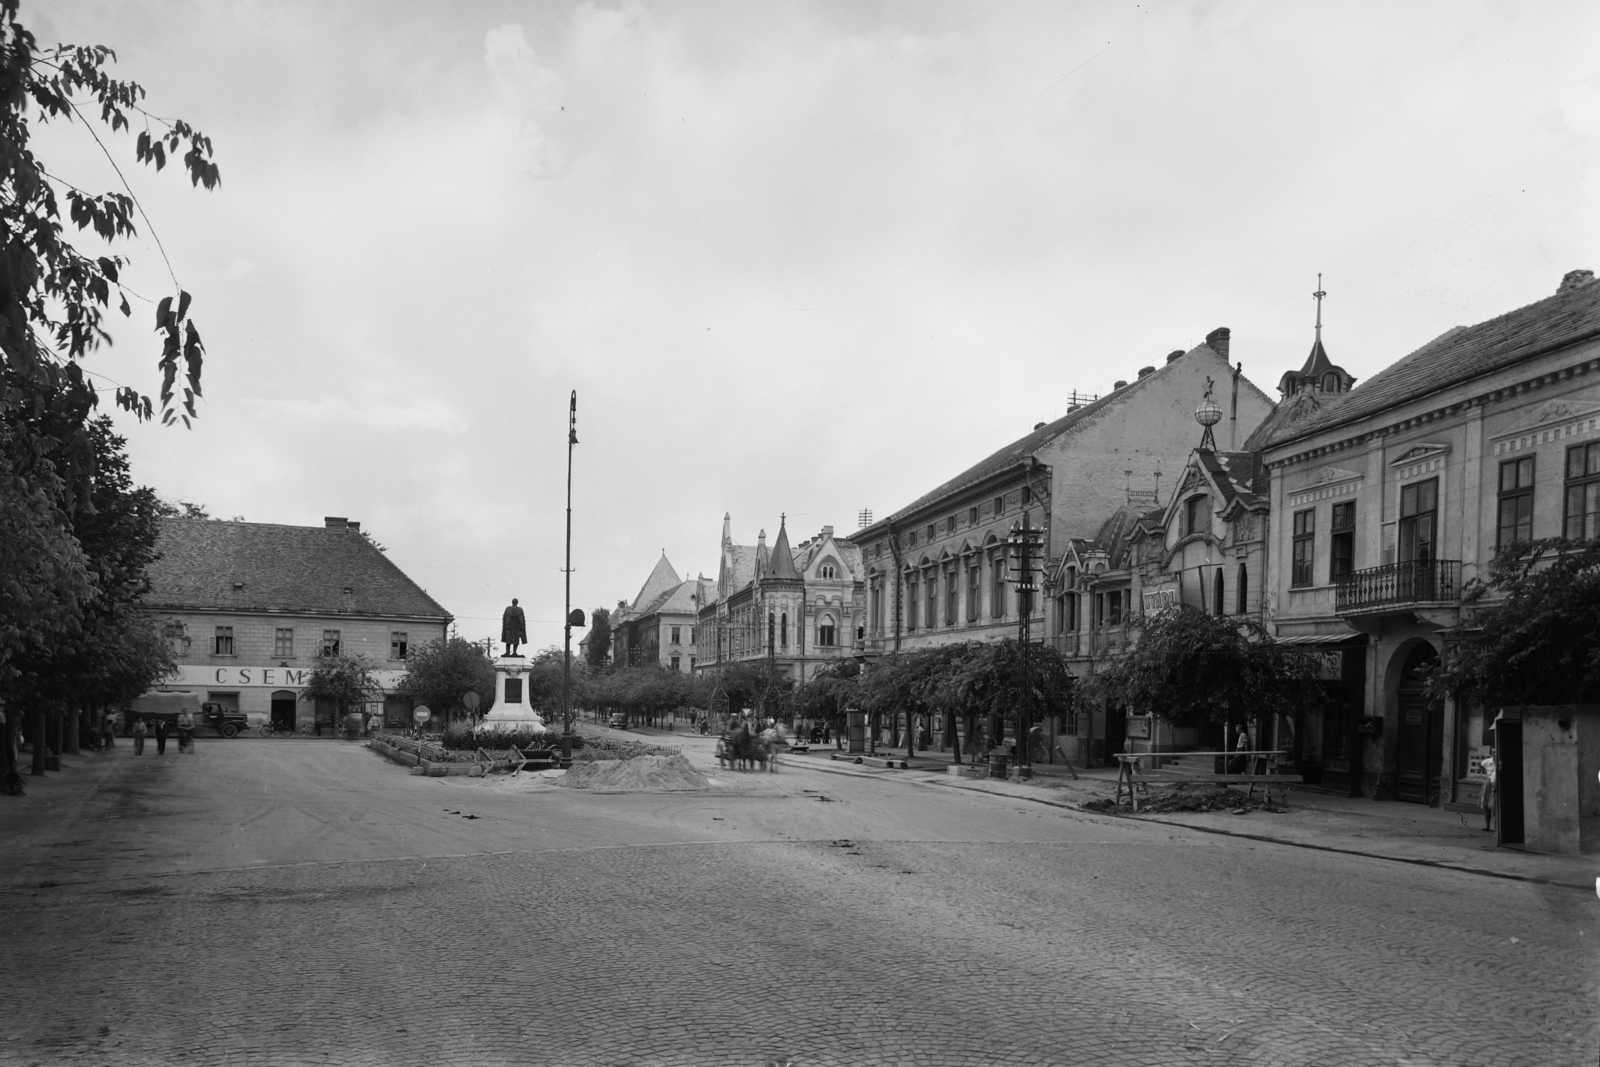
1541	643
343	681
1190	668
599	647
440	673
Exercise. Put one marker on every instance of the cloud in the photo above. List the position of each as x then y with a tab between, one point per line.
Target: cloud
414	414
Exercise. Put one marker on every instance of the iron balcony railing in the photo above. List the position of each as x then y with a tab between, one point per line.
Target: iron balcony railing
1429	581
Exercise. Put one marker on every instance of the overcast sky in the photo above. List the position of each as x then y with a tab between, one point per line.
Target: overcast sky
793	257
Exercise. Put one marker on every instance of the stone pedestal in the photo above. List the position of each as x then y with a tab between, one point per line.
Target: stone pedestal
511	712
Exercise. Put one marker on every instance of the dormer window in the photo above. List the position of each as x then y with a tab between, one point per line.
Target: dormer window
1196	514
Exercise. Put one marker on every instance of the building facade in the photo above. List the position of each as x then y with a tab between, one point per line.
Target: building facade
938	570
250	610
1393	496
658	627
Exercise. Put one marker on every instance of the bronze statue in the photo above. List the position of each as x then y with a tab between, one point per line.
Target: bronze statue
513	628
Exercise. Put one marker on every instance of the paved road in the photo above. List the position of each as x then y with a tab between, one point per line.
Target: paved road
301	902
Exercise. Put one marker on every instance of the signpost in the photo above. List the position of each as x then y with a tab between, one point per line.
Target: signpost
421	715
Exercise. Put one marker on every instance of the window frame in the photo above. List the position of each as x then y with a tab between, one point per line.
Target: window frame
334	643
974	592
1582	488
1341	540
997	605
220	635
398	644
282	645
1303	548
1410	525
1519	496
674	635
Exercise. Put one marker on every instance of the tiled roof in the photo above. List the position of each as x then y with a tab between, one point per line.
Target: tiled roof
663	579
292	568
1462	354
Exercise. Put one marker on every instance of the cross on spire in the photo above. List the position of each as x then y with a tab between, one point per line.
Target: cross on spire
1319	294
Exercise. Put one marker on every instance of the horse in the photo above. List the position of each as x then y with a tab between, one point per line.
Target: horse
739	748
772	740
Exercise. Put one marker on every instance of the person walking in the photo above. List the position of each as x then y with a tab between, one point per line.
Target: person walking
161	736
1486	798
185	731
108	729
139	731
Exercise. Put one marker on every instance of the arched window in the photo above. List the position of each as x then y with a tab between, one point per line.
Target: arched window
826	632
827	571
783	627
1217	603
1244	588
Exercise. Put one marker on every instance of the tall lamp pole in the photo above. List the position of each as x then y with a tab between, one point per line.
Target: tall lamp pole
566	658
1023	539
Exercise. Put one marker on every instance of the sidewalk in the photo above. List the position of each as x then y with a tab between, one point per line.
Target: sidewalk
1381	829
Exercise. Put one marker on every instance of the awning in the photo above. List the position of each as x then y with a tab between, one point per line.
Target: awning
1323	639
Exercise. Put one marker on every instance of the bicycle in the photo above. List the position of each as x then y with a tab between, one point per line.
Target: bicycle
269	728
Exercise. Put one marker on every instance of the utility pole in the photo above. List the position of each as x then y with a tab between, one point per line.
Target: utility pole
1023	540
566	659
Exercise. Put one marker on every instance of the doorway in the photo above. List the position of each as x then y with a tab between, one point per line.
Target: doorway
1419	734
283	703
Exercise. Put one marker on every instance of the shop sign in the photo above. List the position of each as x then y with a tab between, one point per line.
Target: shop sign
266	677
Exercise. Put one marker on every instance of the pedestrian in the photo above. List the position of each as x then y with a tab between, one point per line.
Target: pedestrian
1486	798
108	730
1241	764
185	731
139	730
161	736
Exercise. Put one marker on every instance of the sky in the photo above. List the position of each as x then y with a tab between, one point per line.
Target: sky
794	258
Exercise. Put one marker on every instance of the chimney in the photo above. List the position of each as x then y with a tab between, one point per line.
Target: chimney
1218	340
334	522
1575	279
354	526
1145	372
827	531
1176	353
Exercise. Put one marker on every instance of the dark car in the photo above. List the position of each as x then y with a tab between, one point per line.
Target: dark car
226	721
619	721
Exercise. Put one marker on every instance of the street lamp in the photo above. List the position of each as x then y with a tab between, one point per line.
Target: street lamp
1022	542
569	615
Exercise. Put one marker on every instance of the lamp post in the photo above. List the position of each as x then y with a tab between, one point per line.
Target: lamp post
1022	541
566	658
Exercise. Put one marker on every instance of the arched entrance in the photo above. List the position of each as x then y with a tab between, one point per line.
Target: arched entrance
1419	731
283	702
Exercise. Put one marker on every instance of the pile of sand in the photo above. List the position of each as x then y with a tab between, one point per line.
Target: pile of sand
642	774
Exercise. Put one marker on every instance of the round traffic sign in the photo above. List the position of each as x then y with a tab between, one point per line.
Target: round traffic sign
422	715
471	700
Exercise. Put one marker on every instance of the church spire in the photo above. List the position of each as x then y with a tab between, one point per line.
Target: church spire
781	565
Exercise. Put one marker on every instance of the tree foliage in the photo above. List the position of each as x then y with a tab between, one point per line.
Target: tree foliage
343	681
1537	633
1190	667
598	650
440	673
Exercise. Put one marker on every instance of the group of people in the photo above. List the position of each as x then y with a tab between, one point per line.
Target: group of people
157	727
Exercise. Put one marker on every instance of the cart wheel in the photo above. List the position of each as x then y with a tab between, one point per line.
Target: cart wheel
230	729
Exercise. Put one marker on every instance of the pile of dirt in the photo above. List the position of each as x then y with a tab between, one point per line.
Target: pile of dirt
1183	799
642	774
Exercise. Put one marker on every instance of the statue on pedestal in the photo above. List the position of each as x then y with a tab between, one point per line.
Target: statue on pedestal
513	628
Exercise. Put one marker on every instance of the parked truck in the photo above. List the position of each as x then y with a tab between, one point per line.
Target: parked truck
168	704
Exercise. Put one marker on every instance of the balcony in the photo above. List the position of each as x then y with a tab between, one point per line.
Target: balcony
1398	587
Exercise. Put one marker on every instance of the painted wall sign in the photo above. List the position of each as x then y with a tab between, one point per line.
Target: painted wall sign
269	677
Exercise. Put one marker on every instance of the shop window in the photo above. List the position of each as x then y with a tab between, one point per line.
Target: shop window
330	642
1304	547
397	644
283	643
1516	502
1342	541
223	645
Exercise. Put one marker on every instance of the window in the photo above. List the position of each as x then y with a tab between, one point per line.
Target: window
827	571
1516	501
674	637
877	550
1419	505
691	637
783	629
1304	543
826	634
931	533
950	525
1583	493
677	662
1342	542
330	642
1244	589
397	644
974	592
911	539
283	643
875	607
1114	608
911	603
1027	496
931	603
1218	603
1071	729
224	642
1070	622
1196	515
972	517
998	605
999	506
952	594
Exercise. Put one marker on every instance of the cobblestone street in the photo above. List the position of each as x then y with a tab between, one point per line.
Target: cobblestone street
303	902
